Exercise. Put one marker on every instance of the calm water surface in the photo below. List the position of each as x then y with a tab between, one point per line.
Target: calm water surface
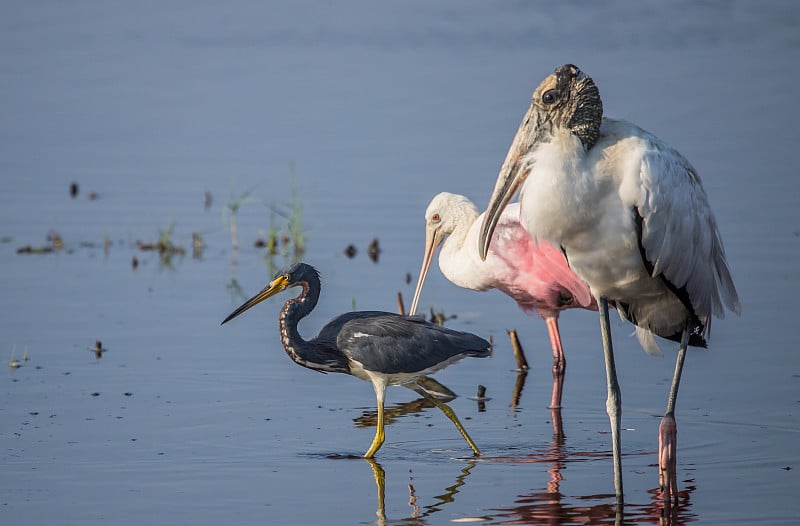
375	109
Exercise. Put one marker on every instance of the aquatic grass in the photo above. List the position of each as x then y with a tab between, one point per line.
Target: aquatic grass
164	245
295	225
270	241
166	248
290	237
229	214
13	363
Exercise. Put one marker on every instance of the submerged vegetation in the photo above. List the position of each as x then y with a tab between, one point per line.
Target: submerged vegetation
230	212
285	234
295	224
164	245
54	244
287	238
284	237
13	363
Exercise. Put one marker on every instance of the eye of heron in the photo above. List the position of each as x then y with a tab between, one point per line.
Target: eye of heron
550	96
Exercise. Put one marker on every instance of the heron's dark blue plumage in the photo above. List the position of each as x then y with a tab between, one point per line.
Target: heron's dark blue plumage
381	347
390	344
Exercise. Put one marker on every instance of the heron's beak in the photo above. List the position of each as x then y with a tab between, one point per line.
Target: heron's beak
512	176
433	238
275	286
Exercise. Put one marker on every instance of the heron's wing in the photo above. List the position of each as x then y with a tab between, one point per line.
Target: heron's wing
393	344
679	235
330	332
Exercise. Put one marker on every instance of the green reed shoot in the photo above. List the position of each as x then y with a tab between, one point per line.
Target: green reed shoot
230	212
295	225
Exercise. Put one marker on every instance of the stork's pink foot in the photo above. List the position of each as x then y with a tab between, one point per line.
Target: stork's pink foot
667	456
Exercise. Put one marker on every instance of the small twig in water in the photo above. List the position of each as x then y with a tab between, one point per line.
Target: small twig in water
519	354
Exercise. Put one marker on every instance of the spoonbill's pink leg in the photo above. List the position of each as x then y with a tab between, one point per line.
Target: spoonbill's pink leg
559	362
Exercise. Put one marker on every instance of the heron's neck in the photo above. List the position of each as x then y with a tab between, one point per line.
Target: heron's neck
309	354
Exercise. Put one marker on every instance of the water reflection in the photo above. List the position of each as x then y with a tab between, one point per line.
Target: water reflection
519	385
549	509
555	412
369	418
548	505
233	287
418	514
552	507
430	385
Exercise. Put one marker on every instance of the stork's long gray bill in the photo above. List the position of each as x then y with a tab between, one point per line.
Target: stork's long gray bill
512	175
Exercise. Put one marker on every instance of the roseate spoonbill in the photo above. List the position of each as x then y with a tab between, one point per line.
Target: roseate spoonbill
535	275
380	347
634	222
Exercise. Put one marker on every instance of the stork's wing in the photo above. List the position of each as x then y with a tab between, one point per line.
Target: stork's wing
679	234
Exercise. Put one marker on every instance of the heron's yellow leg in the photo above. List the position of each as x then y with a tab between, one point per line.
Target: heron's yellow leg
377	442
449	413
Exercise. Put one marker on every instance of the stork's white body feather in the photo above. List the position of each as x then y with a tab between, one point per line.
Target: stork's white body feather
632	217
589	204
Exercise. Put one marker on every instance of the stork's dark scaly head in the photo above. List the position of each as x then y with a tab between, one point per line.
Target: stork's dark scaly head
567	99
570	99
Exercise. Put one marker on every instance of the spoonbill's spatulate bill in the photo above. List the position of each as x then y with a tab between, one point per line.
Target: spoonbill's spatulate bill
535	275
380	347
633	220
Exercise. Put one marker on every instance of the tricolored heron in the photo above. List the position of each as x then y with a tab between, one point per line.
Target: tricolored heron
535	275
380	347
634	222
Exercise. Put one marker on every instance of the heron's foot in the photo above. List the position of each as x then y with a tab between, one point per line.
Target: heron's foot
667	457
449	413
377	442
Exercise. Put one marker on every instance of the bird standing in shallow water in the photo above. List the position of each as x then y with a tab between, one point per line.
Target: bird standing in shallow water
535	275
634	222
380	347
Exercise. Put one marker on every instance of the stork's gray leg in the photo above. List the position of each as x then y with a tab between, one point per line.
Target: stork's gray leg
668	430
614	400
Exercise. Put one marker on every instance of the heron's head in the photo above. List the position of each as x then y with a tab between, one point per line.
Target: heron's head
567	100
298	274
